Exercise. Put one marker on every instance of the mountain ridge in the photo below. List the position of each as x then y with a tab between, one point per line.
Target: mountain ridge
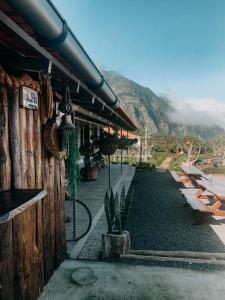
145	107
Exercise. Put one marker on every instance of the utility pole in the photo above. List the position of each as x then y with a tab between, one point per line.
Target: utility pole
146	142
147	137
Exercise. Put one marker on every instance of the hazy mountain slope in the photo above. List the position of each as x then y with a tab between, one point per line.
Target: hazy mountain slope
142	105
140	102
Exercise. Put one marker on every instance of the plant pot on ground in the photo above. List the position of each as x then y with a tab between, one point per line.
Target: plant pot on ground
116	241
89	172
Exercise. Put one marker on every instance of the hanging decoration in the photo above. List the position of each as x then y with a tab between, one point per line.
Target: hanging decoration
72	174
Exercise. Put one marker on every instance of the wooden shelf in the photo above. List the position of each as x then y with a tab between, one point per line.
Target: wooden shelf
14	201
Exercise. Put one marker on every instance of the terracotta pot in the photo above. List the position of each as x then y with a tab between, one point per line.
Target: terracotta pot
89	173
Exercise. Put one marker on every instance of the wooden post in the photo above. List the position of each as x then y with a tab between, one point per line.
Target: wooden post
121	154
5	163
127	149
30	149
14	123
23	147
6	261
37	149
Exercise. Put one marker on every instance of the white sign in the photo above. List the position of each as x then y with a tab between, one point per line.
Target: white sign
28	98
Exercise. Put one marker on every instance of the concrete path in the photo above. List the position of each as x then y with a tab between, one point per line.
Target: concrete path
92	193
122	282
166	163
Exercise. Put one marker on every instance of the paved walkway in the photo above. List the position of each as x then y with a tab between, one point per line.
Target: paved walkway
166	163
159	220
92	193
127	282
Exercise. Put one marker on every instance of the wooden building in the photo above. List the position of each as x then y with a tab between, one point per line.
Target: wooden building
39	56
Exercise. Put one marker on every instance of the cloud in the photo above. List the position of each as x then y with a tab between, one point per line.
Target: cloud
197	111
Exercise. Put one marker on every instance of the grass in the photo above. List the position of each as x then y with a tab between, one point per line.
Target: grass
214	170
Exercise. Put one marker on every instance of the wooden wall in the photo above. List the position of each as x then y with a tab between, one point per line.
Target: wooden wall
33	243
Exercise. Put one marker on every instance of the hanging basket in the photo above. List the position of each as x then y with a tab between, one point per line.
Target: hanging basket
108	149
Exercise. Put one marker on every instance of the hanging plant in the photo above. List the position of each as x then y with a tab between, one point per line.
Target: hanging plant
108	143
125	142
72	166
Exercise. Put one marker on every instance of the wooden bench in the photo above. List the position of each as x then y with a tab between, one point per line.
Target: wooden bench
181	179
175	176
195	203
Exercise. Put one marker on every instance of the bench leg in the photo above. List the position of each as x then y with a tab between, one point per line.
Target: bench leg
215	209
215	206
198	194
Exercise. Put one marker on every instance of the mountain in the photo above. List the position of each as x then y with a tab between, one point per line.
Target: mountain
145	107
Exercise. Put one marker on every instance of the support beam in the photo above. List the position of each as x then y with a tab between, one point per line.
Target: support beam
34	44
90	114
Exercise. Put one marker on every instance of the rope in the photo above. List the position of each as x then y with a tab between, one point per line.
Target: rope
23	80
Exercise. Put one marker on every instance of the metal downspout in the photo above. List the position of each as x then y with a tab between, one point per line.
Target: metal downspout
53	32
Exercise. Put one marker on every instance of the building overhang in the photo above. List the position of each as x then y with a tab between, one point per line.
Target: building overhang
21	51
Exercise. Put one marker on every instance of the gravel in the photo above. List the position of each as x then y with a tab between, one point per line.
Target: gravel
158	219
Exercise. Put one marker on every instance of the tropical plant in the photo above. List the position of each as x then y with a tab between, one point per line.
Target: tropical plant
117	210
87	150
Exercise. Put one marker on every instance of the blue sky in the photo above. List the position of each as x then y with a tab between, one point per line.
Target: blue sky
174	47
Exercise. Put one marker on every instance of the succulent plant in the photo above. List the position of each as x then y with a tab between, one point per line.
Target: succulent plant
117	210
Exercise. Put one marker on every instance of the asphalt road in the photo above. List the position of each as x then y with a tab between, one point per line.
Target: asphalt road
158	219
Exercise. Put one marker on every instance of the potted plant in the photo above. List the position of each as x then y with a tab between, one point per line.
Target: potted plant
108	143
116	241
89	172
125	142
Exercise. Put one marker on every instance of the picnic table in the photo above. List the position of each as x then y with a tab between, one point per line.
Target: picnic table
216	188
198	198
191	170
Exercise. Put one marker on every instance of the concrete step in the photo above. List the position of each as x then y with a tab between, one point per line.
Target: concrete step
173	258
181	254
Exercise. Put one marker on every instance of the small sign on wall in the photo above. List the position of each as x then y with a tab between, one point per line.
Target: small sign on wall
28	98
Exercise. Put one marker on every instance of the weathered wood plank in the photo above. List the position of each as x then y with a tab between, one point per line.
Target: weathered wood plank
51	191
5	163
30	149
6	261
60	212
23	147
47	242
39	241
62	209
14	132
26	255
37	149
